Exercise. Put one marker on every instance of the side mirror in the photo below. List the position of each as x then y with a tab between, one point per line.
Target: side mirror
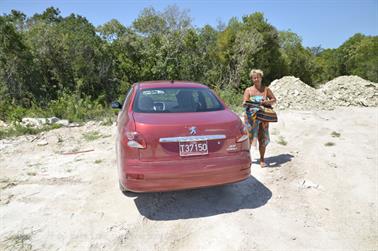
116	105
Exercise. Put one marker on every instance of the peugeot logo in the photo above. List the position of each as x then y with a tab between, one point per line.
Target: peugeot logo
193	130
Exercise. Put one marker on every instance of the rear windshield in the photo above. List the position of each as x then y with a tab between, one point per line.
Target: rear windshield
161	100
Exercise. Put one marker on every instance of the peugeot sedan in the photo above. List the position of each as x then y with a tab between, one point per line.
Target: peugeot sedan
175	135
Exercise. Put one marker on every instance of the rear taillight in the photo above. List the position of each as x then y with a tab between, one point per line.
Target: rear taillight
135	140
244	132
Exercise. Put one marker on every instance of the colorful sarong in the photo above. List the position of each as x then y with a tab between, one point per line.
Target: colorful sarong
257	130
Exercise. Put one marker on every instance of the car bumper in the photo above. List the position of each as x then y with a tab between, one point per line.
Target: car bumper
188	173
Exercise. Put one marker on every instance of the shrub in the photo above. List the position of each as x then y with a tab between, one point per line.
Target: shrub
232	98
75	108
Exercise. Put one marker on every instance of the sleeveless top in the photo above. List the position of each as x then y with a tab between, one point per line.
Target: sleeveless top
258	98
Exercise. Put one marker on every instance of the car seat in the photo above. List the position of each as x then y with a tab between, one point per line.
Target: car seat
146	104
186	101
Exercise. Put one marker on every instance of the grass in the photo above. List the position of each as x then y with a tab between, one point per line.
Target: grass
329	144
18	130
90	136
98	161
282	141
20	241
335	134
31	173
108	121
237	109
72	107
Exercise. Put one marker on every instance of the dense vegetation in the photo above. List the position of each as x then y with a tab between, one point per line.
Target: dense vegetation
64	66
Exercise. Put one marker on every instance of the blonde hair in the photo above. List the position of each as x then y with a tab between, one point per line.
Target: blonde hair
256	71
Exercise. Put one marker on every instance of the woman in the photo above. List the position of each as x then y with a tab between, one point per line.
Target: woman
258	130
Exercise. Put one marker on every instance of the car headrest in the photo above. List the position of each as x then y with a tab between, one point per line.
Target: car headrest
146	103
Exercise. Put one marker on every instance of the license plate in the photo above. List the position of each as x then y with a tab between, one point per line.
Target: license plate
193	148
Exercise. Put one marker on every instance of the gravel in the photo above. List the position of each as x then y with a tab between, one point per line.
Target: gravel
294	94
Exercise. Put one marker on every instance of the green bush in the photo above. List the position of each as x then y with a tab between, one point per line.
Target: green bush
67	106
232	98
75	108
10	112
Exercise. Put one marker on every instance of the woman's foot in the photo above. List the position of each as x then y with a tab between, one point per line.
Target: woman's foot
262	164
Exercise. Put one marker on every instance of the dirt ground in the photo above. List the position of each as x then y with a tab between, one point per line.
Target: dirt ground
318	193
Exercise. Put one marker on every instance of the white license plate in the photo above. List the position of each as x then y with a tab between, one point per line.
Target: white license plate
193	148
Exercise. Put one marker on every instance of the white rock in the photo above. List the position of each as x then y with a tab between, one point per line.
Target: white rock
74	125
52	120
3	124
63	122
34	122
42	143
309	184
351	90
292	93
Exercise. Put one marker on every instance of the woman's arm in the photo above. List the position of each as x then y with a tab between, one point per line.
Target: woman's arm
246	95
271	98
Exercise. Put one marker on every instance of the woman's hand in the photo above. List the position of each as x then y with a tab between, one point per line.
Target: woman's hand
265	102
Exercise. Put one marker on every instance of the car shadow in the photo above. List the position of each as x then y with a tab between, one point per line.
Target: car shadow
204	202
276	161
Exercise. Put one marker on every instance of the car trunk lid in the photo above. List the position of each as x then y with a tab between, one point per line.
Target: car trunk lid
163	133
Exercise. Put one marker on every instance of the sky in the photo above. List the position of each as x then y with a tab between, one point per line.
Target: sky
325	23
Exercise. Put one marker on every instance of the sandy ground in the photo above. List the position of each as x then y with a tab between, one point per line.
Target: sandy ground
318	193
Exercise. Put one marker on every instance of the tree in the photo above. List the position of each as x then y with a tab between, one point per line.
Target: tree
299	62
252	43
49	57
360	56
70	56
327	66
111	30
163	36
17	75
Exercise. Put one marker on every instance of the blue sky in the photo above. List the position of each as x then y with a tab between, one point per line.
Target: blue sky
326	23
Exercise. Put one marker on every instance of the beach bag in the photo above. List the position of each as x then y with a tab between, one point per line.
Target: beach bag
266	114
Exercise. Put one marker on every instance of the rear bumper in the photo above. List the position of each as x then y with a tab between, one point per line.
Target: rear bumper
187	173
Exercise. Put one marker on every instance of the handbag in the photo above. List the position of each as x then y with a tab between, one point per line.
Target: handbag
266	114
263	113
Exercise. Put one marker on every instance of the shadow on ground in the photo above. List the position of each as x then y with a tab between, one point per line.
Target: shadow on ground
203	202
276	161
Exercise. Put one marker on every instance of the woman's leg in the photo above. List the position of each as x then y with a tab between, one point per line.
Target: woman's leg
262	154
262	142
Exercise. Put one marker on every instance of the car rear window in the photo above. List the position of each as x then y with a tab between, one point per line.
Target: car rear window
163	100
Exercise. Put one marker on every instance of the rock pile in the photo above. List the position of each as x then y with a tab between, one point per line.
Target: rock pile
351	91
40	122
292	93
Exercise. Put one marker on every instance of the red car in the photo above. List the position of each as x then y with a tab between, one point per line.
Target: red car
176	135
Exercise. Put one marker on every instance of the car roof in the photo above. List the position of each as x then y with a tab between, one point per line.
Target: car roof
170	84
